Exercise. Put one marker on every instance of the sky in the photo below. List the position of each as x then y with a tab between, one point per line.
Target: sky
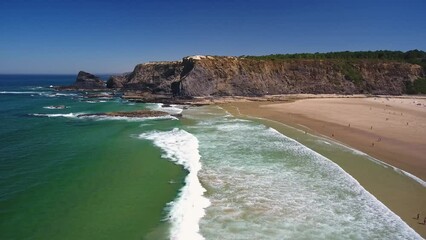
53	36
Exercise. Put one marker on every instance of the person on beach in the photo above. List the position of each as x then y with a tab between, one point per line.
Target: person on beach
418	215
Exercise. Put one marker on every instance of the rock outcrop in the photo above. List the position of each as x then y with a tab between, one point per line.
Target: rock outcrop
116	81
233	76
87	80
155	77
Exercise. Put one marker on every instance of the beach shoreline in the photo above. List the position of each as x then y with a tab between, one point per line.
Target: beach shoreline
313	116
391	129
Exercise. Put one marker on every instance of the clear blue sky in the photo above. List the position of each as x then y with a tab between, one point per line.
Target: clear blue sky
54	36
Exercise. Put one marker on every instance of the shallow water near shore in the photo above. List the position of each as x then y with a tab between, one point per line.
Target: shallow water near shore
264	185
403	193
208	175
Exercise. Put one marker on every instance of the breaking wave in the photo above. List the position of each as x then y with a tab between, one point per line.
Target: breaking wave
101	117
45	94
172	109
264	185
187	209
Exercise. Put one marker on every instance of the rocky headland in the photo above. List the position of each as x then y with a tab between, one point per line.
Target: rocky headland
196	77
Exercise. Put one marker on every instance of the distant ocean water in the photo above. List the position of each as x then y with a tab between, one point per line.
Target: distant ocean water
208	175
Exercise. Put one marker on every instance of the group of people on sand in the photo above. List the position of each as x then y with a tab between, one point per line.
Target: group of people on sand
424	220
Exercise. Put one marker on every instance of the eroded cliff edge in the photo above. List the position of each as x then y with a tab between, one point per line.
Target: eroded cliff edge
236	76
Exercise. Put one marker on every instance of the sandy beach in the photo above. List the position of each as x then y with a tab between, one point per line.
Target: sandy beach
390	129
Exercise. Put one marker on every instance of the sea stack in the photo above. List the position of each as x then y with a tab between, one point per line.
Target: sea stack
87	80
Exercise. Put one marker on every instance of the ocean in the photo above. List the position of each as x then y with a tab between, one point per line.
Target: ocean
207	175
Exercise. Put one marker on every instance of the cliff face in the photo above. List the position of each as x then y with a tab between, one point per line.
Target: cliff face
156	77
203	76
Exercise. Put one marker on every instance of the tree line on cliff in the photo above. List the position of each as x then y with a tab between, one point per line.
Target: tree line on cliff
413	56
345	57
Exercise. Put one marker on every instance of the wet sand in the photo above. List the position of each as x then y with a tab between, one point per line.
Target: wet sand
376	126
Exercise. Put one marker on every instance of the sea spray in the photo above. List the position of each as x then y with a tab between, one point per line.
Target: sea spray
187	209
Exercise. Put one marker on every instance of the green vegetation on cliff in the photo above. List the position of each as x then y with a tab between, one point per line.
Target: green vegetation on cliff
350	71
417	87
328	73
412	56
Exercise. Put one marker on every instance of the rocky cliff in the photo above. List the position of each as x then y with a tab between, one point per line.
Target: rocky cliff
223	76
156	77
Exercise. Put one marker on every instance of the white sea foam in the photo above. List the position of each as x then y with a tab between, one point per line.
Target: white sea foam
95	101
186	211
65	115
102	117
173	109
355	151
377	161
45	94
264	185
382	208
65	94
35	88
55	107
128	119
16	92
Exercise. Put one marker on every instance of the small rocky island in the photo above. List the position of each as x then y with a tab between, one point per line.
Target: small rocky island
85	81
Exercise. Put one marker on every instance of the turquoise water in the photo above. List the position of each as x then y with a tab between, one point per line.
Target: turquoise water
208	175
69	178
